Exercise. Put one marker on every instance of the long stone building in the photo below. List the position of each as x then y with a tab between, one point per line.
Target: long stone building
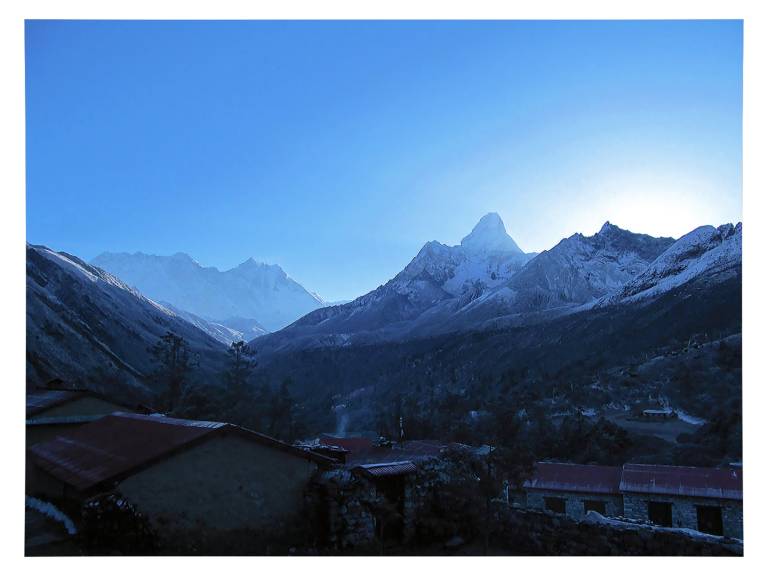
708	500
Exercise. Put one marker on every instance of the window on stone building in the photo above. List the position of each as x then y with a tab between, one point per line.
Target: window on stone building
596	505
556	505
710	519
660	513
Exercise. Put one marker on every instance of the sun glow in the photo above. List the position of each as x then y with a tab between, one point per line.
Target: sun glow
659	206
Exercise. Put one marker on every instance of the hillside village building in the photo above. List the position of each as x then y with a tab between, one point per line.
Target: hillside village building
190	479
704	499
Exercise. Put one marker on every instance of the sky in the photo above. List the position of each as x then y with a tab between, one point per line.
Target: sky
337	149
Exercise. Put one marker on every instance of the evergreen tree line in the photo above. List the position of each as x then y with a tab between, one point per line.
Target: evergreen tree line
237	400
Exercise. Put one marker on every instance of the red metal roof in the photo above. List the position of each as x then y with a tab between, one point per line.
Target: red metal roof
354	445
383	469
120	444
683	481
585	478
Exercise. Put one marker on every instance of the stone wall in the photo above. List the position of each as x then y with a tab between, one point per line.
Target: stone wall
350	509
574	502
684	514
535	533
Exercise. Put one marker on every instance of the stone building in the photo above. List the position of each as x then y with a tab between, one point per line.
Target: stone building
192	480
51	412
704	499
372	497
707	500
574	490
366	504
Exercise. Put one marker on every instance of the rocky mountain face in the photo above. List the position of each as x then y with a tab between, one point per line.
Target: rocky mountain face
707	255
578	271
92	330
438	281
261	292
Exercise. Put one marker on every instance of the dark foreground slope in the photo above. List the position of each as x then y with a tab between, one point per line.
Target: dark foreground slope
89	329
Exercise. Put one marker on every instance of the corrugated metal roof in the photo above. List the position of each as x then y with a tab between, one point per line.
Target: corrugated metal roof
683	481
383	469
355	445
585	478
120	444
54	420
40	400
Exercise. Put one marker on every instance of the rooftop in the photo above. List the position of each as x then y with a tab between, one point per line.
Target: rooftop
641	478
683	481
353	444
384	469
575	478
41	400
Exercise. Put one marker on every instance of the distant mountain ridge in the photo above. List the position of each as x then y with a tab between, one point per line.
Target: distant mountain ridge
227	331
252	290
488	282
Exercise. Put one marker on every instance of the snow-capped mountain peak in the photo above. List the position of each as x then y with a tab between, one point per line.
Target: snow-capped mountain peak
490	235
251	290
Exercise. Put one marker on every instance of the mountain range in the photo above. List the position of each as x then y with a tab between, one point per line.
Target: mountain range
454	315
248	300
488	282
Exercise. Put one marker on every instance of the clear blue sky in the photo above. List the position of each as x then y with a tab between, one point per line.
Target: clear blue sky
336	149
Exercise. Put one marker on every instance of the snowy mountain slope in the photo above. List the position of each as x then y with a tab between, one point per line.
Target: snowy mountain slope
251	290
438	281
579	269
706	253
227	331
90	329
